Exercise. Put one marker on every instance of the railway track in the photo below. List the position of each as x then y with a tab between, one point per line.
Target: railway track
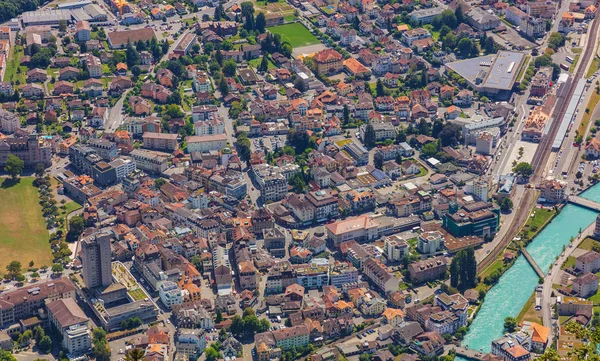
542	154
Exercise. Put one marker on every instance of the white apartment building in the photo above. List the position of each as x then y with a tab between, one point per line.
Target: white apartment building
170	294
209	127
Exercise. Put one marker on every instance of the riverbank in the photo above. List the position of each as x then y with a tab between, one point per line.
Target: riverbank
534	225
514	287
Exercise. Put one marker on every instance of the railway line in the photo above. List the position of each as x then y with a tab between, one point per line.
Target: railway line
542	154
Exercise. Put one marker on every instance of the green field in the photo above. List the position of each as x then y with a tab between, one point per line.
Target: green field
14	59
23	233
296	34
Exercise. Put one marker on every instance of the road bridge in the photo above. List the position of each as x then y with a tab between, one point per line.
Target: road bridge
586	203
470	354
531	261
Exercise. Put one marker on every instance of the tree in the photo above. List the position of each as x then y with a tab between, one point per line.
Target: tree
449	135
100	345
506	204
523	169
76	227
137	354
174	98
370	136
379	89
346	114
45	344
465	47
14	166
159	182
299	139
219	316
378	162
133	57
57	268
264	64
429	150
463	270
223	87
229	67
261	22
297	181
300	85
212	354
243	147
62	26
556	40
38	333
14	268
39	170
510	324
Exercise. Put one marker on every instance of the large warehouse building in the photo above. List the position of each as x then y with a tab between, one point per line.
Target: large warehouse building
493	75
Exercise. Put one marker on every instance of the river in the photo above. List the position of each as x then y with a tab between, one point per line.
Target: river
516	285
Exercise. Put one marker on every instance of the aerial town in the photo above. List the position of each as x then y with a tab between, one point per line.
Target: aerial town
315	180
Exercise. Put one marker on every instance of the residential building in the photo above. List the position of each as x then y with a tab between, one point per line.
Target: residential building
430	242
588	262
553	191
206	143
585	285
150	161
428	269
24	302
96	259
190	342
170	294
32	150
161	141
380	275
9	122
395	248
72	323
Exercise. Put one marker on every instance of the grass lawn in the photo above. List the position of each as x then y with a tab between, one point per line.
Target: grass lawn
296	34
585	120
255	63
593	67
569	262
541	216
529	313
587	244
14	58
497	265
595	298
575	59
23	233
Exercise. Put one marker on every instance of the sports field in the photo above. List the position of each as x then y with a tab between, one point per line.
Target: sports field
295	33
23	233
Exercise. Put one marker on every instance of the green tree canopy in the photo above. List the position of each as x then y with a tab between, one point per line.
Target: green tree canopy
14	166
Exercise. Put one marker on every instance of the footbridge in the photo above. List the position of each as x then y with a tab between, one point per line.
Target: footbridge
531	261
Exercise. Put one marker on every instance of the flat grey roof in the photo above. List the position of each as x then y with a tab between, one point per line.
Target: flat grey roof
46	16
497	71
504	70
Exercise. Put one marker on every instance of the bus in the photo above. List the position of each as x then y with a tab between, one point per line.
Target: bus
569	59
564	66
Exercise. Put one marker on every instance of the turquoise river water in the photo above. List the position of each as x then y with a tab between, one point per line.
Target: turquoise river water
516	285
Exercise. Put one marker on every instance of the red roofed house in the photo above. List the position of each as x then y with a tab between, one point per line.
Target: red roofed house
329	61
